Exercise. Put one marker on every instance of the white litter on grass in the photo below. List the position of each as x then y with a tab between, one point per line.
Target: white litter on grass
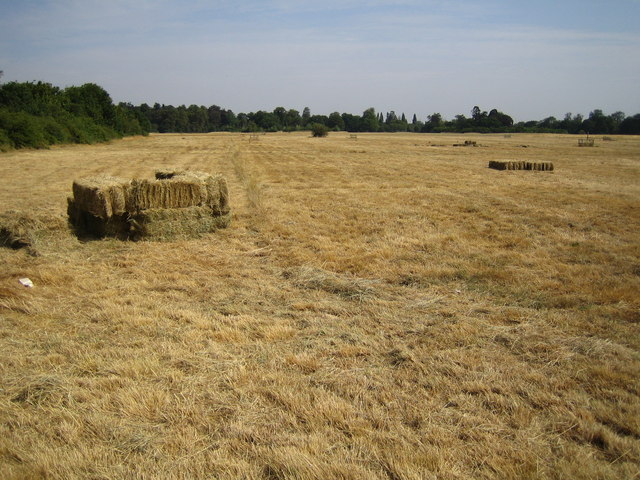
26	282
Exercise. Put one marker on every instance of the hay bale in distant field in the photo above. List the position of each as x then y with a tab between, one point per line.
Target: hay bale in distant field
509	165
184	202
467	143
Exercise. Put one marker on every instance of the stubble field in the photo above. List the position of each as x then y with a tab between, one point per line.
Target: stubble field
385	307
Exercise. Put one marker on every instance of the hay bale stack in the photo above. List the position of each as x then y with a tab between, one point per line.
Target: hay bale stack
176	203
514	165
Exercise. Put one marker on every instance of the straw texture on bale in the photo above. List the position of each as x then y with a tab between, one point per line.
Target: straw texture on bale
86	223
179	189
177	192
516	165
170	224
102	196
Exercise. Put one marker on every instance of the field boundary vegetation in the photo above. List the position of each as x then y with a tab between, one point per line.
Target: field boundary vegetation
38	114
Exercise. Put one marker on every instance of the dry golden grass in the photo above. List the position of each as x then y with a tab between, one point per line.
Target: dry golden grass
379	308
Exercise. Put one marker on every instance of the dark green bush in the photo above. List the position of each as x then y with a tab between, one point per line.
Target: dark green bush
5	141
23	129
319	130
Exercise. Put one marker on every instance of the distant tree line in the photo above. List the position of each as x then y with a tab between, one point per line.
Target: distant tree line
167	118
37	114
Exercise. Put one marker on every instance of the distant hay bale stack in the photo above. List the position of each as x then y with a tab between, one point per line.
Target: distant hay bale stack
467	143
177	203
514	165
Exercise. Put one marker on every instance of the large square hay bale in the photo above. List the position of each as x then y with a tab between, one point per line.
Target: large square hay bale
173	223
86	223
178	192
179	189
102	196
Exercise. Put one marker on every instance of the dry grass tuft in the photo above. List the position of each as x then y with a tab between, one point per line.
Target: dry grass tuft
20	230
347	286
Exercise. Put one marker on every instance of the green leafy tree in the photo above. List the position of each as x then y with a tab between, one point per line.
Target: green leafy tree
229	120
198	119
351	122
369	121
433	124
616	119
92	101
34	98
214	118
335	121
292	119
323	119
306	115
265	120
280	113
630	125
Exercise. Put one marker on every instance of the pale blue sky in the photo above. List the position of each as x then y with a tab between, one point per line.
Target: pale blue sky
530	59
